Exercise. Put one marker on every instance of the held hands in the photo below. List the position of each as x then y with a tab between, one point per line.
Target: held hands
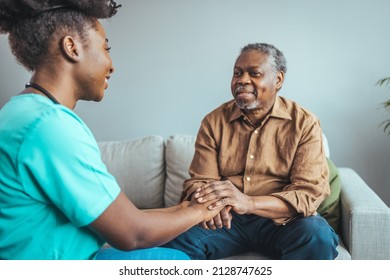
207	211
224	192
222	219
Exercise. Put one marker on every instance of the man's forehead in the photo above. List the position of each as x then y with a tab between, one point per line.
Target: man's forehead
251	59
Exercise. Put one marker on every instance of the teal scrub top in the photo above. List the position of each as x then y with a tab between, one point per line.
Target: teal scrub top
53	182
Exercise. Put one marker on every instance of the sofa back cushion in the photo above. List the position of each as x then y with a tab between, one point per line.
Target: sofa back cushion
330	207
138	166
179	151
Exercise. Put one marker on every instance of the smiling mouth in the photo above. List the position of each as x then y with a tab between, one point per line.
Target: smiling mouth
242	92
106	80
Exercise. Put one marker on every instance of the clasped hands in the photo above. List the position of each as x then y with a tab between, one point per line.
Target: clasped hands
226	194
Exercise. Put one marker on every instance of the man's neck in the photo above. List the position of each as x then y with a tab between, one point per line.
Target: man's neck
256	116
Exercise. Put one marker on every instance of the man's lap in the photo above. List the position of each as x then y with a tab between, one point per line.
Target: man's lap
253	233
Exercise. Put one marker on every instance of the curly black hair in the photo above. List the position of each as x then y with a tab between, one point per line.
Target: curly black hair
32	24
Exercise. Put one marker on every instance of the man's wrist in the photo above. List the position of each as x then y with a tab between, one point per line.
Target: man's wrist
251	205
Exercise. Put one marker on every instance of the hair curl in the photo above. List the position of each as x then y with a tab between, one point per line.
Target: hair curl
278	59
32	24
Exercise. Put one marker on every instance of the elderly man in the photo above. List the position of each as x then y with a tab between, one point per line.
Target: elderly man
263	155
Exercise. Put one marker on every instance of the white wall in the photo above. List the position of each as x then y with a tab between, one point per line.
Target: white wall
174	60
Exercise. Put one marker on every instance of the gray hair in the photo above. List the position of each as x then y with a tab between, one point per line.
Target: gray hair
277	58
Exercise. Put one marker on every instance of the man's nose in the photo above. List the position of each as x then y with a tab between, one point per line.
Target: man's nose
244	79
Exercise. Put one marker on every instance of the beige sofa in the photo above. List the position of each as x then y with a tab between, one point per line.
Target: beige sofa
151	171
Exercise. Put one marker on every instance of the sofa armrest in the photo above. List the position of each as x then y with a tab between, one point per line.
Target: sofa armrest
365	219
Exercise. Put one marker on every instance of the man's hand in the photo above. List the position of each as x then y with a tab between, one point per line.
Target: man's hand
227	193
222	219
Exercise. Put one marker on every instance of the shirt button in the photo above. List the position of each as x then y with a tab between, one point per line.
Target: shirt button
248	178
251	156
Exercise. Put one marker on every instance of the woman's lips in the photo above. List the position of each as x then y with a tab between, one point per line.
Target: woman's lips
106	81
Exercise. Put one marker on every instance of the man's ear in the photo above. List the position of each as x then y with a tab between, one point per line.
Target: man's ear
279	79
70	48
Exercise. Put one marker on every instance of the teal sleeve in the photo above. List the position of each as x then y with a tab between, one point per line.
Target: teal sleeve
60	163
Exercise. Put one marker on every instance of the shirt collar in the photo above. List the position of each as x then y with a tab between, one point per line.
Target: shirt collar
279	110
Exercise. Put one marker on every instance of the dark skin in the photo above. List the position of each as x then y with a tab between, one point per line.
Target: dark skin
82	82
74	71
254	86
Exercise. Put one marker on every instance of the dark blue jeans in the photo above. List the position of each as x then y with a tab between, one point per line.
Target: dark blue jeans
300	239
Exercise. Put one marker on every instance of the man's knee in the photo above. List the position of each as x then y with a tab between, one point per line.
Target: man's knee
313	239
201	244
190	243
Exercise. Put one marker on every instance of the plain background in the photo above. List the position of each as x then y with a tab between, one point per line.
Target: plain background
174	61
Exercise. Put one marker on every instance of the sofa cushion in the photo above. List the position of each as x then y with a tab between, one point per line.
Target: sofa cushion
179	151
330	207
138	166
326	145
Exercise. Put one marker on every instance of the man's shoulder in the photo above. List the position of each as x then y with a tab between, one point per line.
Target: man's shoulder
295	110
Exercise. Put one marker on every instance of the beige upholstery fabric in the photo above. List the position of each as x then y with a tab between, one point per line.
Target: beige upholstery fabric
178	155
138	165
367	234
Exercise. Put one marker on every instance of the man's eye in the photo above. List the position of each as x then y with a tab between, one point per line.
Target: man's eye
255	74
236	73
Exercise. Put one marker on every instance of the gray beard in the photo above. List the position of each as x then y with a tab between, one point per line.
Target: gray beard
248	106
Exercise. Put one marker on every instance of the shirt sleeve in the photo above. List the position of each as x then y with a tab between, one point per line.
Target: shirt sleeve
60	165
204	166
309	175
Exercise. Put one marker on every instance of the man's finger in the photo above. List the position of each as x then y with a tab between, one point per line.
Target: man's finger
218	221
226	218
211	224
203	225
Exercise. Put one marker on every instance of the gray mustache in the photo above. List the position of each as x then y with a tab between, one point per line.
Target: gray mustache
244	89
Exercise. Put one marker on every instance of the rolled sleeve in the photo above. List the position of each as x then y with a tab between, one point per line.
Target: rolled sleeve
309	175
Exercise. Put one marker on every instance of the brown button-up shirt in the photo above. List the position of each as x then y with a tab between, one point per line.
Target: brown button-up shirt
283	156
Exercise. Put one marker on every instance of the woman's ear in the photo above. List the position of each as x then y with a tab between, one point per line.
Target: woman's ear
70	48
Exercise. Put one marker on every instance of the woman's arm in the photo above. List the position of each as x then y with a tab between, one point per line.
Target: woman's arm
125	227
